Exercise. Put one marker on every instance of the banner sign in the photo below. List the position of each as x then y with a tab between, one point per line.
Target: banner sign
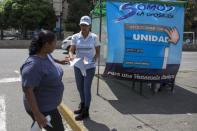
144	40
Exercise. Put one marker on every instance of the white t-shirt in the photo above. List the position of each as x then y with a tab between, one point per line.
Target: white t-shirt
85	48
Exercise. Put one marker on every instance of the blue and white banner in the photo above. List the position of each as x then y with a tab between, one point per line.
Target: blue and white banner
144	40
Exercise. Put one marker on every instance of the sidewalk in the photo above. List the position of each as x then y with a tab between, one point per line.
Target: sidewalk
119	108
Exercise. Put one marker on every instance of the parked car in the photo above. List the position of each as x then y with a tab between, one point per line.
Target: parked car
9	38
66	43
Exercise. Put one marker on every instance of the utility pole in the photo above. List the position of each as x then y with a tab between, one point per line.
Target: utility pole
57	5
100	30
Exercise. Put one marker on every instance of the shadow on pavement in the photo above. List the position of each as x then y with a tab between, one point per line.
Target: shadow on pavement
94	126
181	101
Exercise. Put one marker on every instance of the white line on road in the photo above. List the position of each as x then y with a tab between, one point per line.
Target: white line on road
17	72
8	80
2	114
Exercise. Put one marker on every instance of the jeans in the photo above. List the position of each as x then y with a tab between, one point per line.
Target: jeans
84	84
56	120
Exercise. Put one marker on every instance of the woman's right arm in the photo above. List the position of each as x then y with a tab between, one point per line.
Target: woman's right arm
39	117
71	52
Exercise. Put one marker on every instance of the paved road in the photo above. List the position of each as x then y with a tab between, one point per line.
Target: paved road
14	118
119	108
187	75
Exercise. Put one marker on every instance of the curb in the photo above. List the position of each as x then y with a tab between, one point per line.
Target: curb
69	117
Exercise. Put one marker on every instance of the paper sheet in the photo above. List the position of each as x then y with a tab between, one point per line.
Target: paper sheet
73	62
36	127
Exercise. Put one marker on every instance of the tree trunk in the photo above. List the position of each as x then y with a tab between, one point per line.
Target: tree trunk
24	33
1	34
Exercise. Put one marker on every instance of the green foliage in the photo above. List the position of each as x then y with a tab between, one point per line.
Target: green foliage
190	13
2	16
96	11
76	9
29	14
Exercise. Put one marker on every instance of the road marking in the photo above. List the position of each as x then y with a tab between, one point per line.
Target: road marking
2	114
12	79
8	80
17	72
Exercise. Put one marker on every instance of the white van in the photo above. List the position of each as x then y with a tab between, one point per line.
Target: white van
66	43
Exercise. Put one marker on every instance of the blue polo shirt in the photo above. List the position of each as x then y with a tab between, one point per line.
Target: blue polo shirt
45	77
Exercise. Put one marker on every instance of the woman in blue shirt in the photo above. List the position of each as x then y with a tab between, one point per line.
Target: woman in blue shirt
42	82
87	51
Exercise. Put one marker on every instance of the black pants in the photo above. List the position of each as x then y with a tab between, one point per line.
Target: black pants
56	120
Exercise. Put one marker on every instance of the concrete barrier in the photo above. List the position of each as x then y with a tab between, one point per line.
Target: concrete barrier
190	47
24	44
19	44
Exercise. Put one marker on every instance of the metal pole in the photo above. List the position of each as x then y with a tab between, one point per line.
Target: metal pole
194	38
100	30
60	26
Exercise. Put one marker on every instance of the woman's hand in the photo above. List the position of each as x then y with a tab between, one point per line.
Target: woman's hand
39	117
71	52
65	61
62	62
41	120
71	58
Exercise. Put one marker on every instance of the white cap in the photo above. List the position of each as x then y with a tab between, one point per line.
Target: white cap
85	20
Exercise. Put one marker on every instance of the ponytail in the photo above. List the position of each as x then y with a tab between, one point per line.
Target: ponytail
41	39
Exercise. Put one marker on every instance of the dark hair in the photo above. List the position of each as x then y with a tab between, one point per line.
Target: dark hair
38	41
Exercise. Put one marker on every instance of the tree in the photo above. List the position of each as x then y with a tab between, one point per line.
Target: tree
76	9
2	18
27	15
190	14
1	24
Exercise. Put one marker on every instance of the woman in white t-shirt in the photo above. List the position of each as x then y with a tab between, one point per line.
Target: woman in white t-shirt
86	47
